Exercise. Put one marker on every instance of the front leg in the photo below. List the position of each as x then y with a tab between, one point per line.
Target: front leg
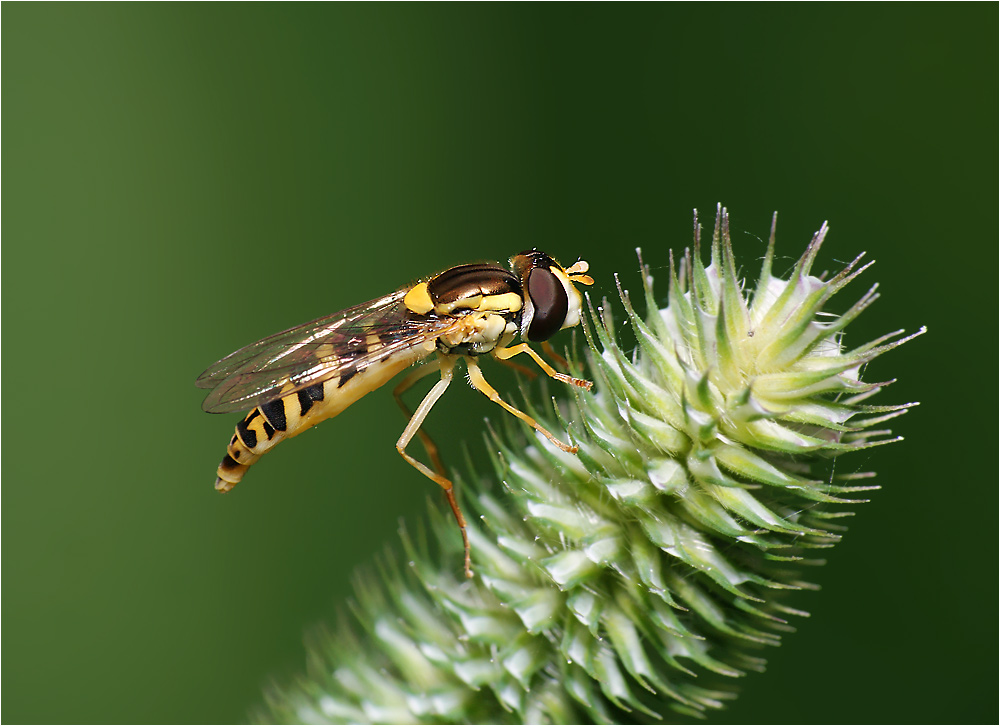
506	353
479	383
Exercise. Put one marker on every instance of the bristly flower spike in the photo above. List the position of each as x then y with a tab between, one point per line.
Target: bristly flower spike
647	571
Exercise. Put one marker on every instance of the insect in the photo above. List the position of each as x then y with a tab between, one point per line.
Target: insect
295	379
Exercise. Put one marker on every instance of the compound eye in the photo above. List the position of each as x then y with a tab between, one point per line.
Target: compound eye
550	302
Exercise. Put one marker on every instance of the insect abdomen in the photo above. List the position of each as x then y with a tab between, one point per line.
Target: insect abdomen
263	428
270	423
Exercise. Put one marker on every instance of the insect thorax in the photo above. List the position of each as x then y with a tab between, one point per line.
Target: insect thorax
485	300
478	333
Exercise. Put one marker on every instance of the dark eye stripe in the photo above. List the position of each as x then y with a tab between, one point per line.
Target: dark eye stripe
551	304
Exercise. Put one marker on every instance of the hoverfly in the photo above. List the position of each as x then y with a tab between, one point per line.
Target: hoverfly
295	379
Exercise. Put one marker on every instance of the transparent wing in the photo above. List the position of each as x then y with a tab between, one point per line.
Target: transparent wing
282	342
336	345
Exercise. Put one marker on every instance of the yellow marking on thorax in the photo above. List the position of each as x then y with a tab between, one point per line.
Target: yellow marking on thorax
468	303
418	299
507	301
483	303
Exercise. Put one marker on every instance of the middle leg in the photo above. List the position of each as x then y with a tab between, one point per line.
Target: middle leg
404	385
447	366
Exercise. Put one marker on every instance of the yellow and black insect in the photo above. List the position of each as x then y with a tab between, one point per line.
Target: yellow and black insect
309	373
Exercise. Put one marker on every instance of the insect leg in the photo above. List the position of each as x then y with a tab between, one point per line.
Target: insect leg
505	353
416	375
480	384
447	366
523	370
551	353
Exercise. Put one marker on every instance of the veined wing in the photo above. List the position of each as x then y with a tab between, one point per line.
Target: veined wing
304	333
341	344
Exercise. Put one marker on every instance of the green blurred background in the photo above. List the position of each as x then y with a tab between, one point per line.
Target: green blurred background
184	179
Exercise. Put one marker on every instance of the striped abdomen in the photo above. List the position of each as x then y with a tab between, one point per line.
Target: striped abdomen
280	419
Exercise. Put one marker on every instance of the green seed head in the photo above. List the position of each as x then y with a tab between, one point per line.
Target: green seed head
646	571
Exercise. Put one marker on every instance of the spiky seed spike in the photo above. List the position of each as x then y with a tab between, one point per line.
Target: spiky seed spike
764	279
733	303
813	249
790	317
647	289
653	348
873	349
720	231
648	569
850	271
788	299
699	285
681	304
726	356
